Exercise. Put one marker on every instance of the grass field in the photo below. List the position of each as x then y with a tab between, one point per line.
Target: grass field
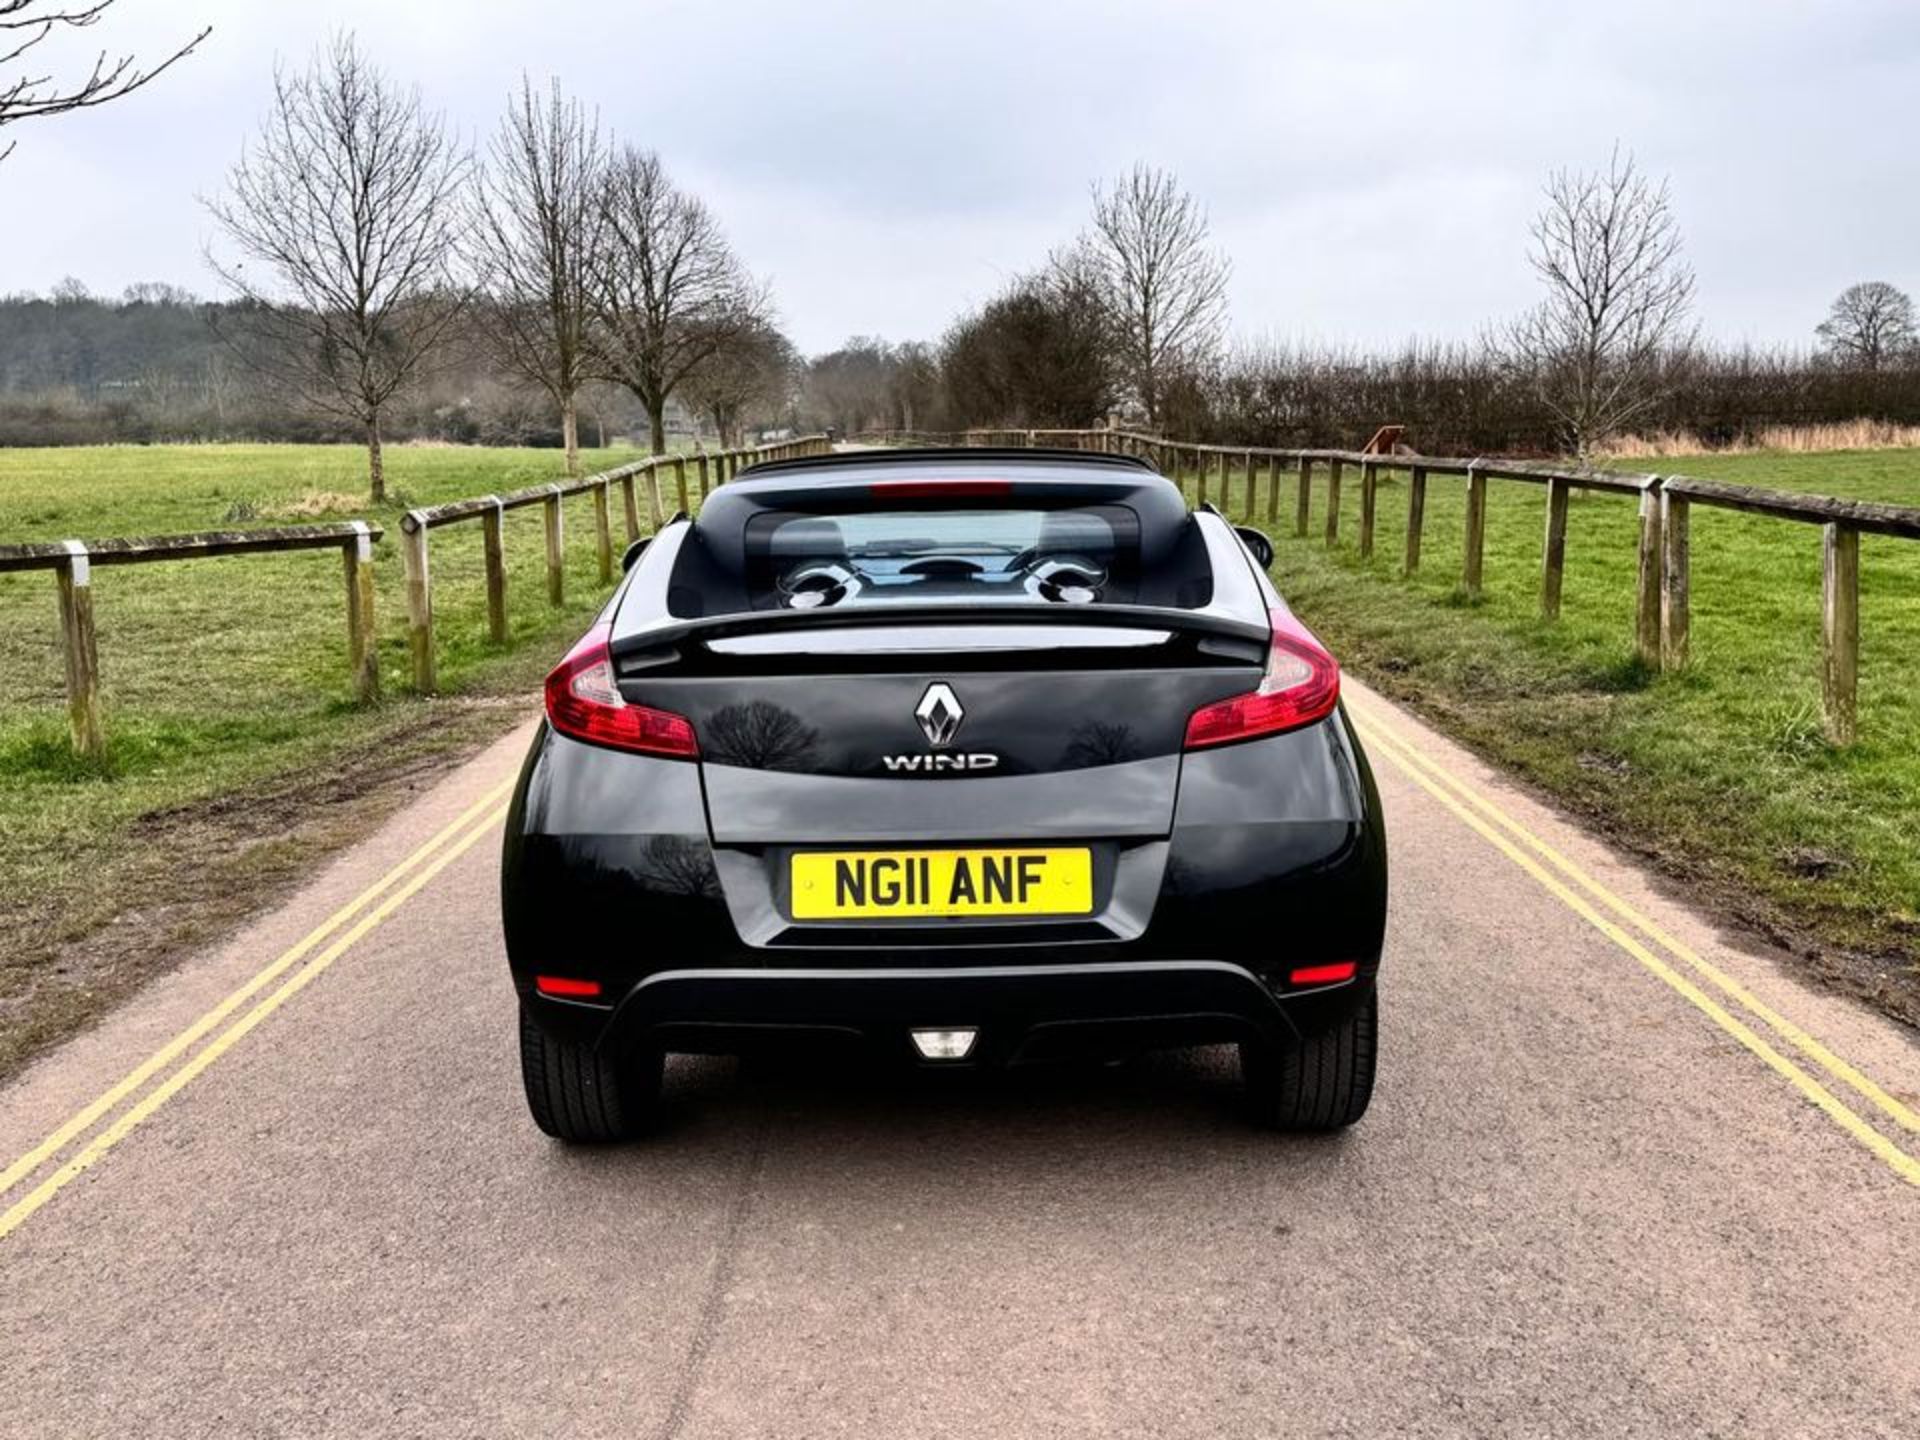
237	760
1721	772
234	749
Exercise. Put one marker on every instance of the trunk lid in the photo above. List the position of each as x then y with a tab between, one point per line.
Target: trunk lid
915	732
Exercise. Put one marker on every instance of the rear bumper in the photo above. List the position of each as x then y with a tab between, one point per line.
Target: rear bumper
1022	1012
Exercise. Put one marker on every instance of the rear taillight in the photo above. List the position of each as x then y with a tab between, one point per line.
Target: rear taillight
1302	685
583	702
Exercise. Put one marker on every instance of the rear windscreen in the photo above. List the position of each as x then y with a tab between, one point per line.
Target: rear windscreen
1079	555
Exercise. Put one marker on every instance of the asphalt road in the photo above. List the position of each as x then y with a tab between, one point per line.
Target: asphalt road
1623	1176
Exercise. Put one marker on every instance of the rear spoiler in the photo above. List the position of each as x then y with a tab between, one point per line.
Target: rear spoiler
1203	623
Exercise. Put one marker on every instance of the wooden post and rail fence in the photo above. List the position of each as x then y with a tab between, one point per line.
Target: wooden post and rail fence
1663	578
1663	588
73	562
713	470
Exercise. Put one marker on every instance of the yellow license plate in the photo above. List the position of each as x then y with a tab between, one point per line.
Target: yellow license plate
867	884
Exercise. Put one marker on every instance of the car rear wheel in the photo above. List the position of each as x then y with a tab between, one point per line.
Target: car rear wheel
584	1094
1323	1083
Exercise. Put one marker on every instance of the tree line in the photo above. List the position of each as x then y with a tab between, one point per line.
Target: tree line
384	279
1128	321
381	277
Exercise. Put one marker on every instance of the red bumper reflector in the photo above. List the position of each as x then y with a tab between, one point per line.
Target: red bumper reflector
1323	974
566	989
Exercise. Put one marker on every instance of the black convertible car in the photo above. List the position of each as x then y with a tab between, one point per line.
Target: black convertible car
972	756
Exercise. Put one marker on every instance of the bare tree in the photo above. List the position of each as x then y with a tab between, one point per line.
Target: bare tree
32	94
1619	300
754	370
1870	324
668	290
763	736
537	229
350	201
1037	354
913	385
854	387
1164	287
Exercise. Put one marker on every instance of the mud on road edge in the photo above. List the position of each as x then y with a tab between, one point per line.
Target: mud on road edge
191	875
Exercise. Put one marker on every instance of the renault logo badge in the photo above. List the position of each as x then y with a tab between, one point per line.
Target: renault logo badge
939	714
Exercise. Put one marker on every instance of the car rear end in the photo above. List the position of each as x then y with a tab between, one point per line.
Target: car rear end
970	759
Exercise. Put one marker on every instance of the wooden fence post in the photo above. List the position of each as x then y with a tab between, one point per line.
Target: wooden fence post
1334	469
1303	502
1273	490
680	483
1553	558
1473	563
556	549
413	559
363	655
1416	518
1199	478
633	507
493	544
655	510
701	460
1369	498
75	578
1675	582
1840	631
1646	617
603	532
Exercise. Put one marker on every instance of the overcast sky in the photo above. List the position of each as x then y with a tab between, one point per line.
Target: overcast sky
1370	167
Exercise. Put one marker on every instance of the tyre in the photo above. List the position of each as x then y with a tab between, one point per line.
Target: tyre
586	1095
1323	1083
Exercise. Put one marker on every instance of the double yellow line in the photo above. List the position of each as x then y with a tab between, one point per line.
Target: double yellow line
1809	1067
327	942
